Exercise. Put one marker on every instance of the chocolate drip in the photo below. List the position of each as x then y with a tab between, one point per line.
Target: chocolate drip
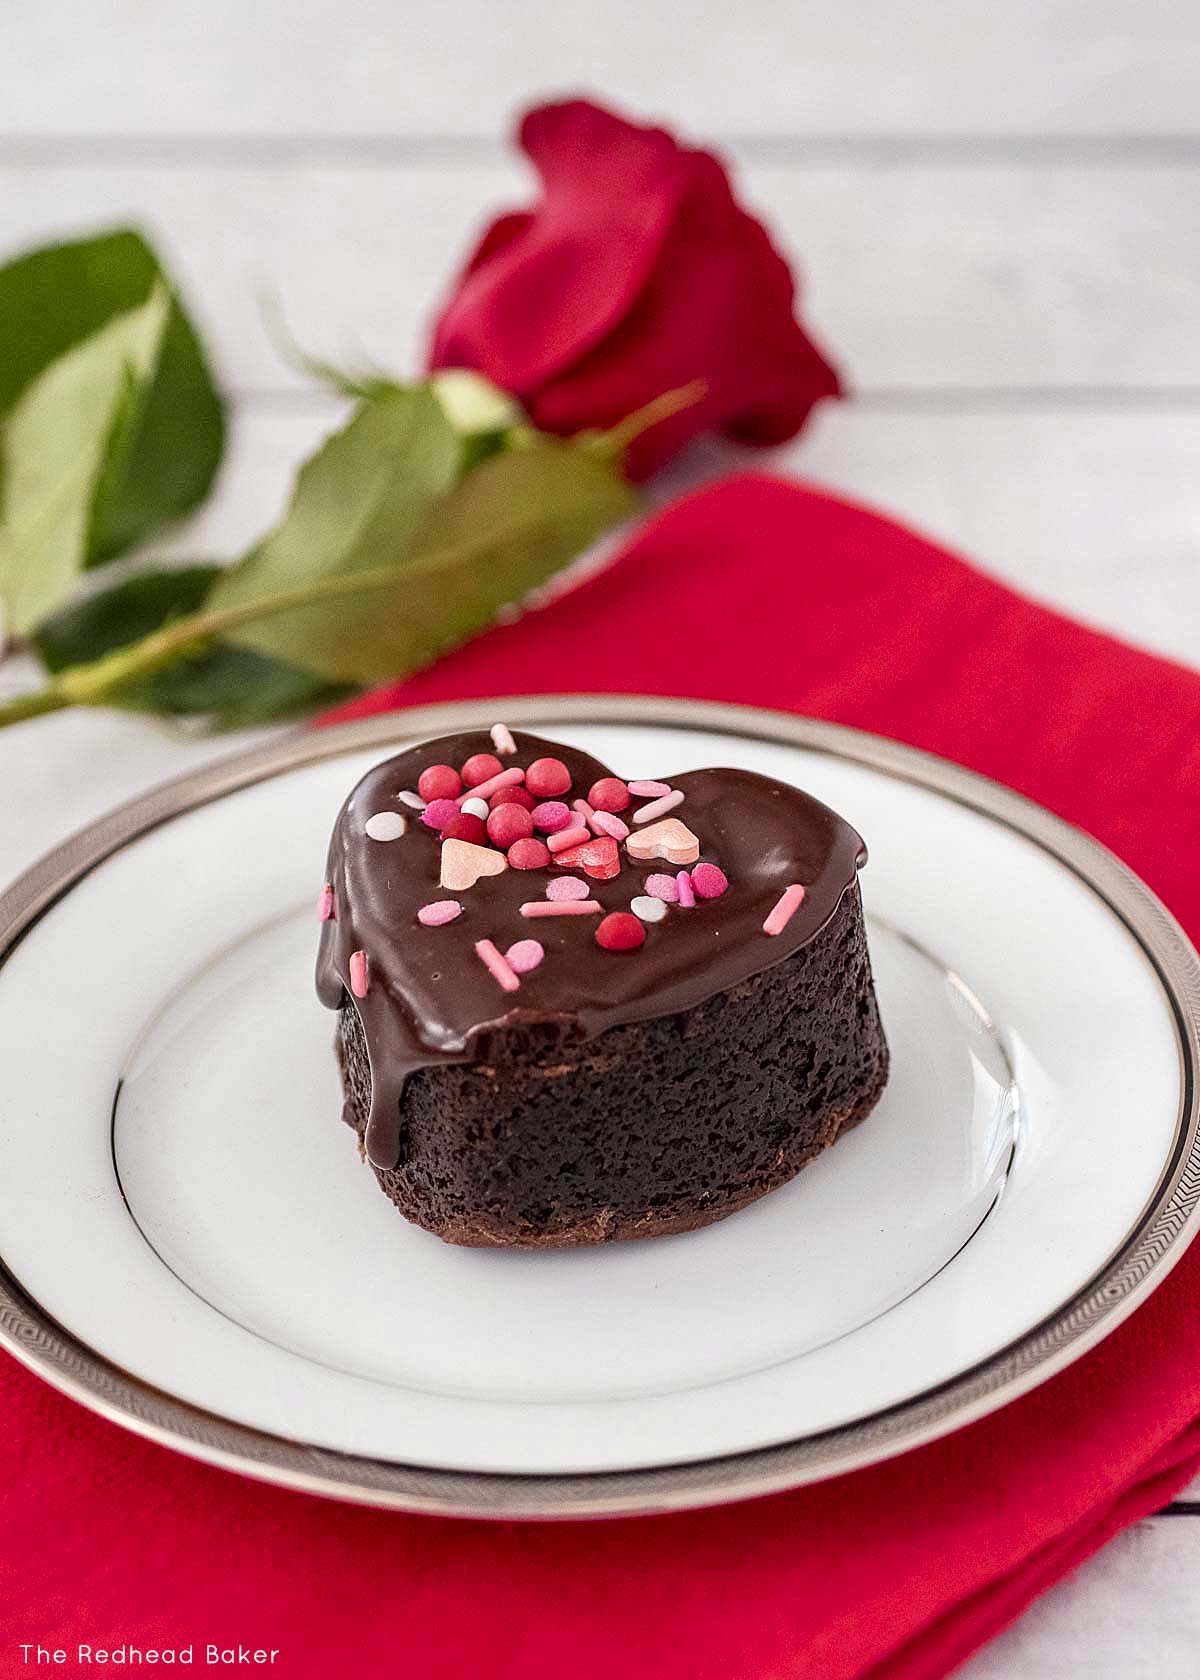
431	1000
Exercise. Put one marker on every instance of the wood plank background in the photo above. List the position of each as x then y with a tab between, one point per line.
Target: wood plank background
996	212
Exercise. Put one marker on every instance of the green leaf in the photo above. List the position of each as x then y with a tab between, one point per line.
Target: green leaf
358	504
58	440
506	528
231	686
97	348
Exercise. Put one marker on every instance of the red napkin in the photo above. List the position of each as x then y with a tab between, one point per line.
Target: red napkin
754	591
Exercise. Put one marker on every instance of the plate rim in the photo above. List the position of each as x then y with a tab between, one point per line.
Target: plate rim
1167	1224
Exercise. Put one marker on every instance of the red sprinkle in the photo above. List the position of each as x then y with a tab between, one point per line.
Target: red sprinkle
620	932
480	767
528	854
360	977
508	824
439	812
608	794
512	796
552	815
325	903
598	858
464	826
547	777
708	880
439	781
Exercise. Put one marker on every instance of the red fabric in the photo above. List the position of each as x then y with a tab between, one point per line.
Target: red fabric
753	591
635	274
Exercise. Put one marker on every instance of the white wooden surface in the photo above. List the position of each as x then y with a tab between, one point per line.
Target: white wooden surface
997	212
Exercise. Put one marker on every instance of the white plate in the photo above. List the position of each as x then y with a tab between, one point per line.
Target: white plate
196	1248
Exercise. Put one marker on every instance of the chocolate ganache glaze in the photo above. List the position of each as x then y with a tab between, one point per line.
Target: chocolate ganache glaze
429	997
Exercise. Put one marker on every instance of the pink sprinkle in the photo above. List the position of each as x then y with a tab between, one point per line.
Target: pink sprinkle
567	837
783	912
506	778
659	807
552	816
439	812
683	886
441	911
502	738
561	907
663	886
648	790
325	904
708	880
411	799
496	965
584	809
524	956
360	978
605	823
564	888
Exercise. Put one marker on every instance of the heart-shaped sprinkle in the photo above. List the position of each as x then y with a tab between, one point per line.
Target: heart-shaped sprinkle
670	839
525	955
463	864
598	858
385	825
648	909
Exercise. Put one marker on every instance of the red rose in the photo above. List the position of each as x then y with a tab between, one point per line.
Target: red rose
637	273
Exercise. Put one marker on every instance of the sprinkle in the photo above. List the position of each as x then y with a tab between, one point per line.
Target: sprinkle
325	902
496	965
385	825
502	738
474	807
506	778
649	790
648	909
659	807
598	858
464	827
781	915
670	839
609	794
360	978
561	907
462	864
524	956
620	932
411	799
441	911
563	888
552	816
439	812
512	796
507	824
683	886
480	768
568	837
439	781
663	886
584	809
709	881
528	854
548	777
605	823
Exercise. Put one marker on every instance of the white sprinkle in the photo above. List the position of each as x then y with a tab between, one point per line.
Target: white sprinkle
475	808
648	909
659	807
411	799
386	825
502	738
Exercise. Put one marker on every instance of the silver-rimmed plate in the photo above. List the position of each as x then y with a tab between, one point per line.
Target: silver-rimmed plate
192	1248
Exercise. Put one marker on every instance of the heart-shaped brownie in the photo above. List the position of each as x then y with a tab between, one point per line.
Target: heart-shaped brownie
520	965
